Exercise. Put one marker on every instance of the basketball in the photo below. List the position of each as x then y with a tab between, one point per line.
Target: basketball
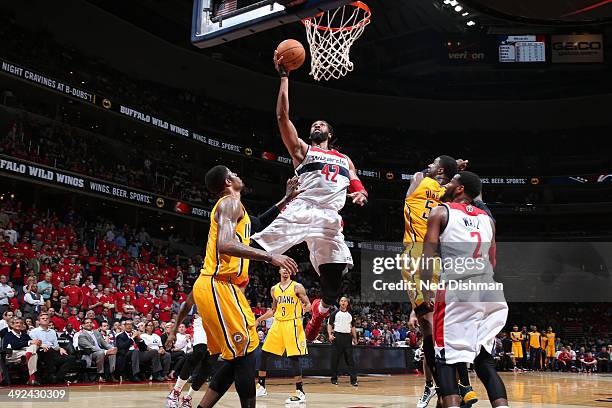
293	54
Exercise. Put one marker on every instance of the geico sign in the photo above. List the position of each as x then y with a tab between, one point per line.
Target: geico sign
577	46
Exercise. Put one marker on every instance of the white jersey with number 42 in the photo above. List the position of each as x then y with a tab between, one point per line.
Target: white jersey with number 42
324	177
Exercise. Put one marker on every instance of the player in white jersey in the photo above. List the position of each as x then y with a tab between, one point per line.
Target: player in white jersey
198	362
470	309
325	177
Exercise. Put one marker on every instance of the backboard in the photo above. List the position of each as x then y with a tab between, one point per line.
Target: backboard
216	22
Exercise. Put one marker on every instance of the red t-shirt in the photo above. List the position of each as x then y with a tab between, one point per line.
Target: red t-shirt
76	323
5	265
164	315
75	295
143	305
92	300
58	322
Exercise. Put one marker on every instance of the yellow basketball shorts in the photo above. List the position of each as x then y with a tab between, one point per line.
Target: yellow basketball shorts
517	350
550	351
411	273
226	317
286	335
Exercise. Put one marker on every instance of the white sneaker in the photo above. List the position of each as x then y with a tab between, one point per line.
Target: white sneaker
172	401
261	391
297	397
186	402
428	394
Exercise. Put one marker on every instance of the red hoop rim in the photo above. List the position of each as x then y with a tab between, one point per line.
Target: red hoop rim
358	4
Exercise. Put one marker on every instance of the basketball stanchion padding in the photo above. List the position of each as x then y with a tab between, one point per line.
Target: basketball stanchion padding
330	35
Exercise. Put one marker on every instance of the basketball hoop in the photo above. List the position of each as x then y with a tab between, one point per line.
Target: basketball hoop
331	35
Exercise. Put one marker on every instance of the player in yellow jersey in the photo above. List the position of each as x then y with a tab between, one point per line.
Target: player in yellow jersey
551	347
535	342
289	302
225	311
423	195
517	348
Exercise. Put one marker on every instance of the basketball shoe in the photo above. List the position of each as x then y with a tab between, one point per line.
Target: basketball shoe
314	325
172	400
297	397
428	394
260	391
186	402
469	395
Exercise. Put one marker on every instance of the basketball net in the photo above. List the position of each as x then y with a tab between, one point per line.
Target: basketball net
331	35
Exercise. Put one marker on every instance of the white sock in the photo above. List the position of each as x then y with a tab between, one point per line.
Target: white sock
191	391
503	406
323	309
179	384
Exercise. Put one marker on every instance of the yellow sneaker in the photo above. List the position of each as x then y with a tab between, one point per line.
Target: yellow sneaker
469	396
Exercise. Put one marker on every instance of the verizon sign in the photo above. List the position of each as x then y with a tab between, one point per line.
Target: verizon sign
577	48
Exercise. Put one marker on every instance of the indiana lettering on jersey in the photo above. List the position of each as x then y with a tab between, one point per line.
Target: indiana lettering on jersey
285	300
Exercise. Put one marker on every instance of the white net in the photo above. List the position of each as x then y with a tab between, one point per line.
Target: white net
331	35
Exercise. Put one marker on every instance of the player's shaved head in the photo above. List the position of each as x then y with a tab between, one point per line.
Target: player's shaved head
472	186
215	179
449	165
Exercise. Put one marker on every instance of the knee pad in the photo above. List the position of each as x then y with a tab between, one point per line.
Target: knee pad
244	376
331	282
447	379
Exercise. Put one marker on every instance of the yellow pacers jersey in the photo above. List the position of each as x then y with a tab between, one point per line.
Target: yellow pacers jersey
516	337
534	340
288	305
417	207
232	268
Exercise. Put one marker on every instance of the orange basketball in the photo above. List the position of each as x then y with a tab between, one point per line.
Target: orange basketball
293	54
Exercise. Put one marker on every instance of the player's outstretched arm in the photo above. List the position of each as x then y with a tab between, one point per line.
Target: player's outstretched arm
182	314
300	291
295	146
356	190
264	219
437	218
414	183
227	215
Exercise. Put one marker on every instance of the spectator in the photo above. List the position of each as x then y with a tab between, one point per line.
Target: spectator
45	288
133	349
564	360
153	342
55	360
97	349
22	346
74	293
6	293
589	363
603	360
32	303
7	315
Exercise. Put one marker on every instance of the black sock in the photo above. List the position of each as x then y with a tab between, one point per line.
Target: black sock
262	381
464	377
298	386
429	383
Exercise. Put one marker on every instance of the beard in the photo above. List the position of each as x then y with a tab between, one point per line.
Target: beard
447	196
319	137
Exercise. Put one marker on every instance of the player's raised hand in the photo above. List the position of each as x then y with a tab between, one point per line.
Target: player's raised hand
278	65
283	261
358	198
462	164
293	189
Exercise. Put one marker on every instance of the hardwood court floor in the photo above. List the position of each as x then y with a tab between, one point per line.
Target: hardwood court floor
543	390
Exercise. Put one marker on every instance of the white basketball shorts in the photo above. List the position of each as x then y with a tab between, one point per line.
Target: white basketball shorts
320	228
460	329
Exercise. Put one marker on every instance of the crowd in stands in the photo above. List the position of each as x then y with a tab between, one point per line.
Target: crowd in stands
76	291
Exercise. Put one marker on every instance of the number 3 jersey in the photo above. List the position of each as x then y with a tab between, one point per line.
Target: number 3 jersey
288	305
324	177
417	207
